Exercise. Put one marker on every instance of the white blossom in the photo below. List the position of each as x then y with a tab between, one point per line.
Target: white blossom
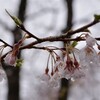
90	41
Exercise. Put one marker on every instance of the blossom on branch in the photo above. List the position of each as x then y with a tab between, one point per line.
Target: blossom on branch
90	41
75	63
11	57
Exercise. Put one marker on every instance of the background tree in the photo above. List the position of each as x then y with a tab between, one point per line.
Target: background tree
13	78
65	83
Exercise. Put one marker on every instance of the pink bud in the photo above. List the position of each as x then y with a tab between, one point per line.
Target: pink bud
10	59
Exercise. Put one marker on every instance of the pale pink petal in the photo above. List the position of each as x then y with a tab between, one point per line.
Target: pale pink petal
90	40
53	83
88	55
45	77
60	65
10	59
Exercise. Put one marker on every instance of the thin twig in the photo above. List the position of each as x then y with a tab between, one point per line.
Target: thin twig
50	39
46	48
63	36
30	34
83	28
6	43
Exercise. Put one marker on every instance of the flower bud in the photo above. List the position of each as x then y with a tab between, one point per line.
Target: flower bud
10	59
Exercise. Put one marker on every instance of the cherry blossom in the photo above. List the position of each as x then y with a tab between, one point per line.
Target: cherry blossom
90	41
45	77
10	59
60	64
75	63
88	54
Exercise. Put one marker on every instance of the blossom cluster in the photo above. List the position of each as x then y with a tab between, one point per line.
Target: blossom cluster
10	58
75	63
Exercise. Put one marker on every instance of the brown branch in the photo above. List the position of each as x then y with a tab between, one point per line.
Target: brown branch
50	39
53	40
57	38
62	37
30	34
46	48
83	28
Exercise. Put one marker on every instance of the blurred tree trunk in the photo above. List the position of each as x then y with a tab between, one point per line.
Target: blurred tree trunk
64	90
13	72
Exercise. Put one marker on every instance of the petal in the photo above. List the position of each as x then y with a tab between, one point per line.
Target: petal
10	59
45	77
88	55
78	73
53	83
60	65
90	40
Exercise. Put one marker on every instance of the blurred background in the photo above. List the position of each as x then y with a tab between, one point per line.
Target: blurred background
46	18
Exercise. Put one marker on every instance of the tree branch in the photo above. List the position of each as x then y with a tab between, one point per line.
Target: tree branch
6	43
62	37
